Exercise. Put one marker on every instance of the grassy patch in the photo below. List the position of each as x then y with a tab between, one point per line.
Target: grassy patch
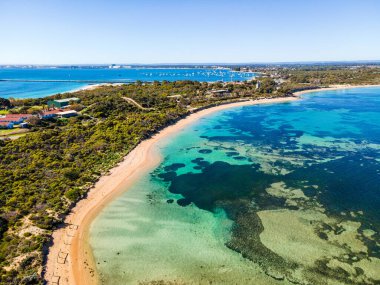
8	132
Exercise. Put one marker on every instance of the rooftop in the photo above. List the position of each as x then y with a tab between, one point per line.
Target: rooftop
5	123
67	112
67	100
220	91
14	117
51	112
18	115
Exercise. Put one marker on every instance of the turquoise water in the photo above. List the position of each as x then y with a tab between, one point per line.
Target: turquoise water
267	194
34	83
23	90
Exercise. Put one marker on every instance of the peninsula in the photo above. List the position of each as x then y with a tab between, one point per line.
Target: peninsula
75	165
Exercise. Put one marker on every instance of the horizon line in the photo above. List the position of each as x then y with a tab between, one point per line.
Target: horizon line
198	63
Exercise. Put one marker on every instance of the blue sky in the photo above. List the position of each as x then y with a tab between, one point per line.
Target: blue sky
187	31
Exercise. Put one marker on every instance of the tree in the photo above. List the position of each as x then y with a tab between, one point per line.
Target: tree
5	103
77	107
3	226
33	121
34	110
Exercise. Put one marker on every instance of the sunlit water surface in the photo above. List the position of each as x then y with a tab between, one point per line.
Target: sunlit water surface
266	194
40	82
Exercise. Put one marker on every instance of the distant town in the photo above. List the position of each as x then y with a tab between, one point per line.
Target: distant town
235	66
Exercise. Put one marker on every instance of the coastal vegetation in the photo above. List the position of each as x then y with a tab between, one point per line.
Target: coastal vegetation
304	77
44	173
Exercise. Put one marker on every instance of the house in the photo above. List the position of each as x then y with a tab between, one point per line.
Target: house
62	103
220	93
6	125
50	114
15	118
176	98
67	114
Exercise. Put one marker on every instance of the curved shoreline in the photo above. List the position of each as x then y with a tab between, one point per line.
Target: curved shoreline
333	87
70	259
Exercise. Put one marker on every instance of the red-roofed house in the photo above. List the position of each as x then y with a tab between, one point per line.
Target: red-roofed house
6	125
15	118
50	114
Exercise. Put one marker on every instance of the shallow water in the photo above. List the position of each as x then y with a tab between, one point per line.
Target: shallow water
40	82
266	194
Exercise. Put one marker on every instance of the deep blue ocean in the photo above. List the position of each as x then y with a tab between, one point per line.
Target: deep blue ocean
34	83
269	194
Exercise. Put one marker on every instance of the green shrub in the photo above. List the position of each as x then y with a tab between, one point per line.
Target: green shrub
73	194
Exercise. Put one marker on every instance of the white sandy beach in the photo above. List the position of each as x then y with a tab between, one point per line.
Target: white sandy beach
69	259
94	86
